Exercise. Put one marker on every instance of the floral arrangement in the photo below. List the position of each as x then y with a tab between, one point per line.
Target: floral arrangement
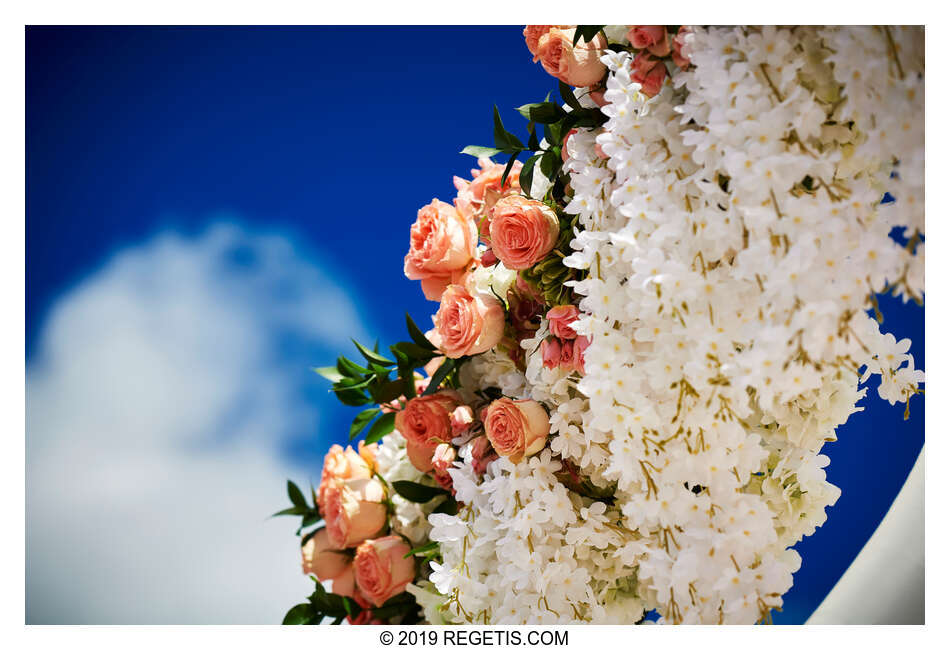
647	328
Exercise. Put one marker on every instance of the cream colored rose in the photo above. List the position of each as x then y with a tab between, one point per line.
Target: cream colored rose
343	464
516	428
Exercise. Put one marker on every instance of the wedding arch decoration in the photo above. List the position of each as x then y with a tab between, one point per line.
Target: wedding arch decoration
651	315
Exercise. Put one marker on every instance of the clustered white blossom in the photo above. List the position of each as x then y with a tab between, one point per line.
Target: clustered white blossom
733	238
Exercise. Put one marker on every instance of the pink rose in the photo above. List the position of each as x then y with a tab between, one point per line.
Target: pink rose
381	570
482	454
342	464
551	353
680	57
581	343
467	324
516	428
319	557
560	319
354	511
649	73
653	38
567	355
523	231
564	144
441	248
577	66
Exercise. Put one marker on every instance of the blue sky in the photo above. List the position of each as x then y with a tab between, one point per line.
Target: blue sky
230	205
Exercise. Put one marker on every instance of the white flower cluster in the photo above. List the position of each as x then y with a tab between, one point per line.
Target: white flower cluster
733	235
410	519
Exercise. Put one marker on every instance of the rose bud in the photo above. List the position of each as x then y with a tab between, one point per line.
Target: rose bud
567	355
468	324
341	464
424	423
482	454
650	37
564	145
523	231
560	319
319	558
649	73
381	569
462	418
442	459
681	58
551	353
354	511
441	248
578	65
581	343
516	428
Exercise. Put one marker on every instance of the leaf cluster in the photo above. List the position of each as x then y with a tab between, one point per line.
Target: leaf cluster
323	604
309	515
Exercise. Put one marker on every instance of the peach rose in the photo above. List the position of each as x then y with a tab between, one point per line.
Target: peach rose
516	428
381	570
523	231
477	197
354	511
575	65
343	464
441	248
345	585
532	34
320	558
425	422
681	58
560	319
442	459
467	324
653	38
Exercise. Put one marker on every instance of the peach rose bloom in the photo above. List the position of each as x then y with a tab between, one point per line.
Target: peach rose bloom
560	319
342	464
516	428
467	324
649	73
345	585
441	248
354	511
381	570
652	38
532	34
523	231
551	353
425	422
577	66
477	197
319	558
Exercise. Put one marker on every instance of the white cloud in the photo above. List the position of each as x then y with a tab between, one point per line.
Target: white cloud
159	390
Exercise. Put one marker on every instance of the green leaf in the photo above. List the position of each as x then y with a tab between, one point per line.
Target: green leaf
296	496
350	369
511	162
417	335
587	32
506	142
416	492
371	356
388	391
348	383
353	397
381	427
480	152
422	550
568	96
549	162
300	614
527	174
448	507
296	510
413	351
399	604
533	143
361	420
542	112
329	372
440	376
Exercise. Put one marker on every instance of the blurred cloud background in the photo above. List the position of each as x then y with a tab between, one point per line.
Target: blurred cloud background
211	212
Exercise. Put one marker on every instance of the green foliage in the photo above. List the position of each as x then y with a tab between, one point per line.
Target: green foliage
587	32
323	604
309	515
417	492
